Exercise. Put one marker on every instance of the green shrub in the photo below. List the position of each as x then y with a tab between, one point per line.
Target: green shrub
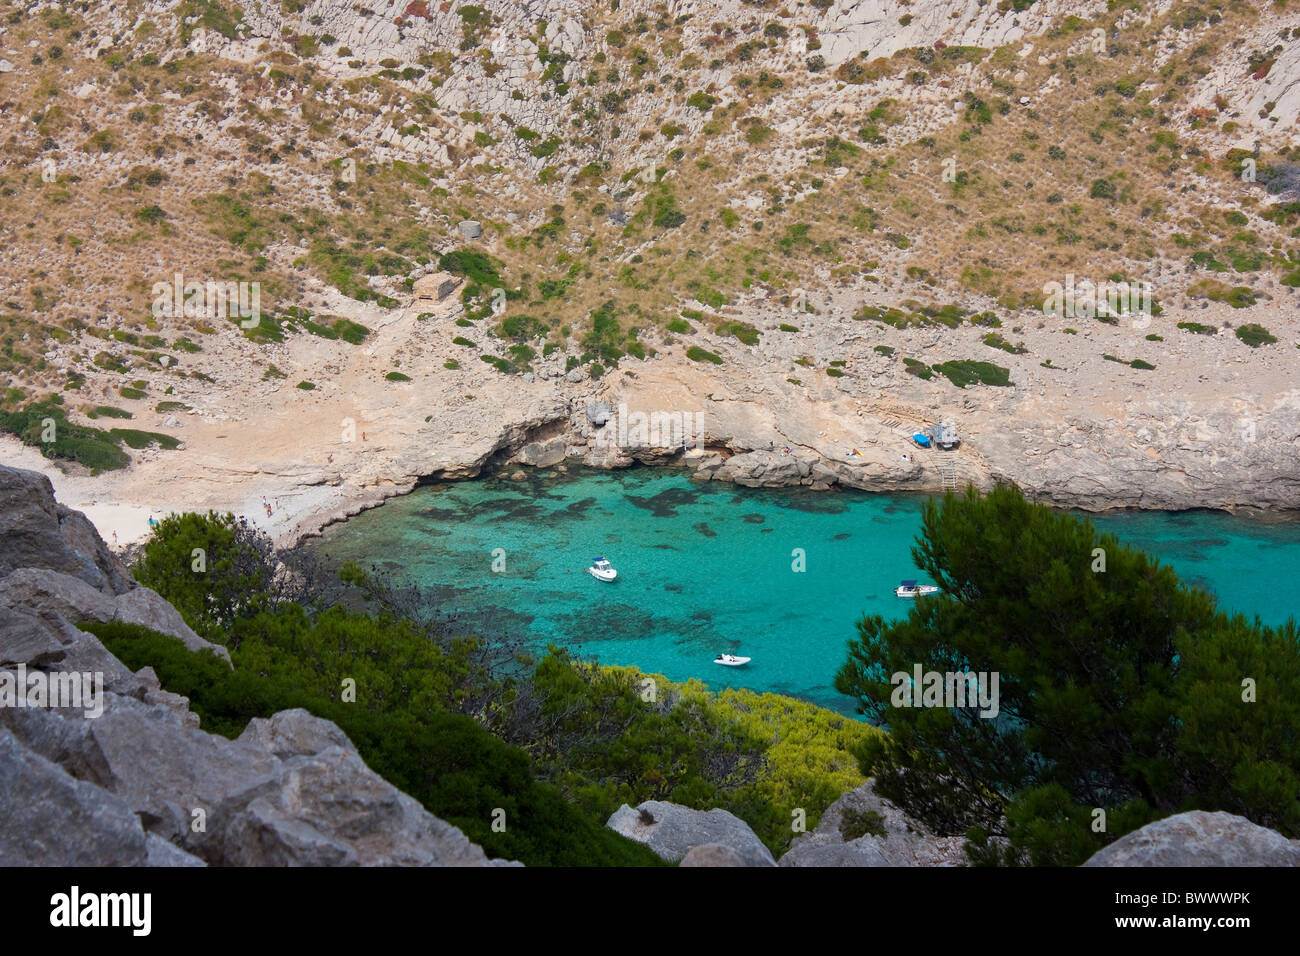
967	372
397	377
701	101
856	823
108	411
741	330
306	386
456	769
93	448
1018	599
1255	335
697	354
919	369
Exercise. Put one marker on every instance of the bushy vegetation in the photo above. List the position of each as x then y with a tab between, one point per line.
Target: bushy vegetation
95	448
453	766
465	727
1255	335
1119	689
965	372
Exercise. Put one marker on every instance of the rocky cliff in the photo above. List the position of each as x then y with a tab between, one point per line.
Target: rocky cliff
139	783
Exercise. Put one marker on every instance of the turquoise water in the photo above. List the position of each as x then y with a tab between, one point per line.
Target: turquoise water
710	567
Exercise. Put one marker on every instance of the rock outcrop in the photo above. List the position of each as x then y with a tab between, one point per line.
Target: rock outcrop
1199	838
673	831
895	840
127	777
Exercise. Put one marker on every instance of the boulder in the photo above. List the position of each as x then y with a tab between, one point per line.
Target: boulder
672	830
49	818
598	413
27	639
294	733
147	608
897	840
712	854
39	589
1199	838
37	532
331	809
164	853
543	454
436	286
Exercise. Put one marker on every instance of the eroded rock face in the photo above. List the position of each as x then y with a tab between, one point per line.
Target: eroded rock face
37	532
1200	838
49	818
53	562
672	831
130	779
712	854
900	842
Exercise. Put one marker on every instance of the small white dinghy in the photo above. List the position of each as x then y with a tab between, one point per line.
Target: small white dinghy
730	660
600	570
910	589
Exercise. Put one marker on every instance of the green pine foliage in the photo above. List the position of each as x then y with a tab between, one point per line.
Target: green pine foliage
1120	689
458	770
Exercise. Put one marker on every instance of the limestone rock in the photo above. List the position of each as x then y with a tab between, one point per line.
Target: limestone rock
712	854
26	639
294	733
543	454
39	589
436	286
1199	838
164	853
904	842
48	818
672	830
147	608
37	532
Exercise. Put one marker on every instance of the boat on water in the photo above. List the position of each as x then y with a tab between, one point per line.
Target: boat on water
730	660
601	570
910	589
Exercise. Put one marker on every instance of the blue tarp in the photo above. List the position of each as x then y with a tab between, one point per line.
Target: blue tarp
921	439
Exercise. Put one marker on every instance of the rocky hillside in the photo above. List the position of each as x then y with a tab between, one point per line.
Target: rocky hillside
818	225
140	783
717	157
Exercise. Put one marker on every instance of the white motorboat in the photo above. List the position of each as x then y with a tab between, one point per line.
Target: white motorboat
600	570
730	660
910	589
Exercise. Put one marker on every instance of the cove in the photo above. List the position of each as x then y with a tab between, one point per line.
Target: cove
706	567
